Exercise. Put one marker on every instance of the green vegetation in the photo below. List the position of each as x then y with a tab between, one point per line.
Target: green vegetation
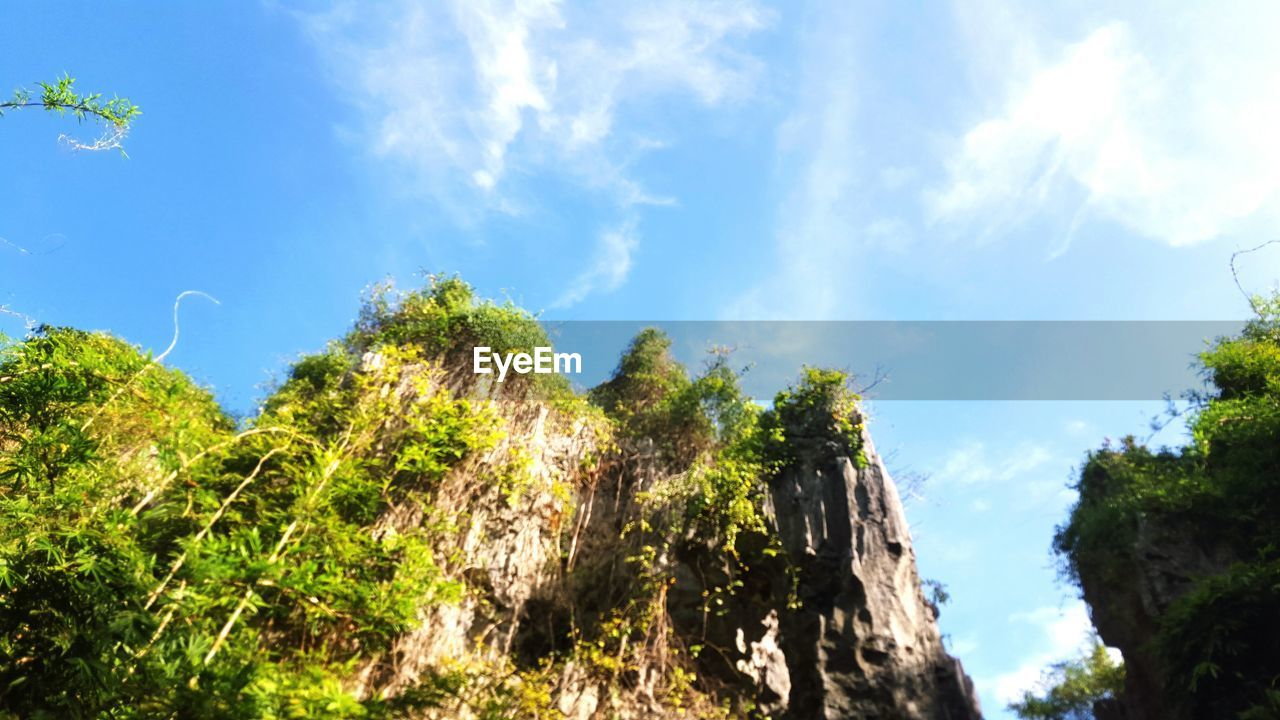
937	593
445	320
60	97
709	517
819	413
651	396
155	559
158	559
708	514
731	447
1073	688
1216	642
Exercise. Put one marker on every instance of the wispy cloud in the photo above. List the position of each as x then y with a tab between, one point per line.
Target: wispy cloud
470	90
484	100
818	221
1077	427
973	463
1061	633
1164	124
608	269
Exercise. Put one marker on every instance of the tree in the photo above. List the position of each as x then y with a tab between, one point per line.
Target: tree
1212	644
60	97
1071	689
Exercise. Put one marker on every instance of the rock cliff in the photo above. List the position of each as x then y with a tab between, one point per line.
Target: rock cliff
864	641
393	537
819	617
1162	565
1175	549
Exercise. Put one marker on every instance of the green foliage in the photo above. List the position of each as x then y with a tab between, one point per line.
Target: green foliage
647	375
712	516
938	594
731	448
72	401
651	397
85	423
725	501
707	512
1117	487
819	415
706	423
152	560
1217	641
60	97
445	321
159	560
1072	688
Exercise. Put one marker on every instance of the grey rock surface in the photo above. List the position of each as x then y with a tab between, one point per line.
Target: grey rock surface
1165	561
861	642
865	641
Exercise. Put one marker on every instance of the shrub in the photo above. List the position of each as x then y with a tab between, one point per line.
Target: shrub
1072	689
1216	641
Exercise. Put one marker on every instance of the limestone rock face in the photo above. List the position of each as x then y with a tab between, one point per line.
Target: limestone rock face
837	629
1165	561
864	643
504	550
766	665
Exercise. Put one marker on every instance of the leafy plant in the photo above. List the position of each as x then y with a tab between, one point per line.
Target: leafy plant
1215	642
938	594
819	414
158	559
61	97
1072	689
155	559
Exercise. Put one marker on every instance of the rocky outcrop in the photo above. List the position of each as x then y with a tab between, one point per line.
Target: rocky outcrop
864	642
836	626
845	631
1165	561
505	551
501	519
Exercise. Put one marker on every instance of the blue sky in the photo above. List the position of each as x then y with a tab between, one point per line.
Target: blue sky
721	160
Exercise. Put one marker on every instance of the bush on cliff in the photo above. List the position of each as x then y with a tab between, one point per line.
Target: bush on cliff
1216	642
158	559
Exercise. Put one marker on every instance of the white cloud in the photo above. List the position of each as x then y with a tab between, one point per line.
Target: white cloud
1066	629
973	463
1062	633
608	269
483	101
819	223
468	90
1078	427
1164	123
891	234
896	177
